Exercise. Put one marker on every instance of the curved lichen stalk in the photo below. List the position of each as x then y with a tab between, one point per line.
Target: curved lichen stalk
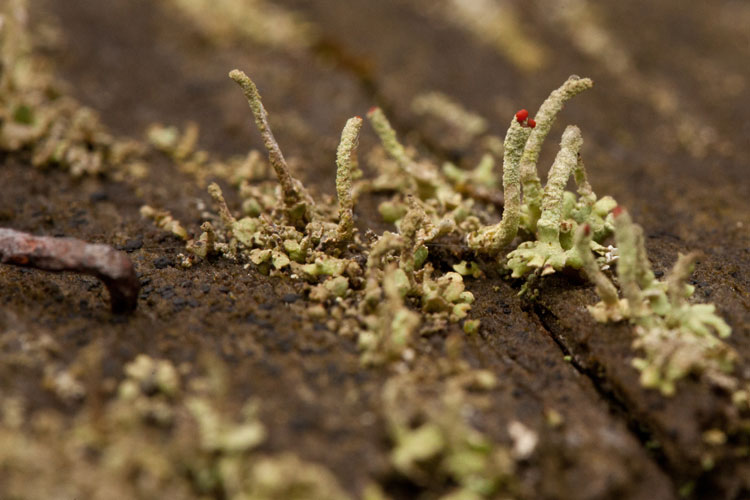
492	239
545	117
299	205
610	308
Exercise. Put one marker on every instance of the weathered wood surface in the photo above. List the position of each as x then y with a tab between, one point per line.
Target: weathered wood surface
666	133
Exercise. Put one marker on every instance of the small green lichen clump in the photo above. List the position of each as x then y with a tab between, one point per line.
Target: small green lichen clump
287	232
444	447
676	337
34	115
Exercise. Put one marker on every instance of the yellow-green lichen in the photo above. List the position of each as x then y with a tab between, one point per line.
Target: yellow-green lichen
443	445
676	337
34	114
346	163
165	221
299	206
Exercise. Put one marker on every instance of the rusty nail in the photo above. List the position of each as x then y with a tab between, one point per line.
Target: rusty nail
112	267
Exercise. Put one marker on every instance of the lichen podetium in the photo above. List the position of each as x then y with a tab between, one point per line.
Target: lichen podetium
299	204
346	161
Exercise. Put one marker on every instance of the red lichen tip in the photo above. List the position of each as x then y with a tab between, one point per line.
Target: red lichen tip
358	117
531	123
372	110
617	211
586	229
522	115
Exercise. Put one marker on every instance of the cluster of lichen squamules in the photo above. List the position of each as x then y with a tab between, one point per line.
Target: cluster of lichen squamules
384	290
372	283
162	435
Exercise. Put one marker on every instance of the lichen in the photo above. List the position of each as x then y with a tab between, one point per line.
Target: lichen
34	114
551	216
677	338
443	446
346	162
178	436
464	125
167	433
544	119
298	204
292	234
492	239
304	240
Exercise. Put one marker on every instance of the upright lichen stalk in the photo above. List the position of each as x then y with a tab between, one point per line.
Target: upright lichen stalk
345	161
633	268
548	228
299	204
388	138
